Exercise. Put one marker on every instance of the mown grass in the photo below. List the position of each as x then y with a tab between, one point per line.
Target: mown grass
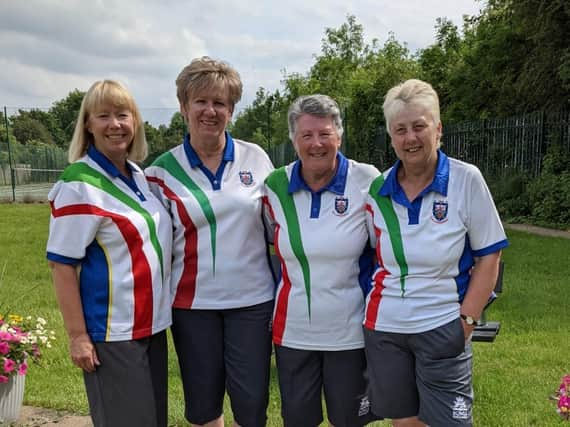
514	376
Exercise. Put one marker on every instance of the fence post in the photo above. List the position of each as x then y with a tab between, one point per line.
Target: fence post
12	176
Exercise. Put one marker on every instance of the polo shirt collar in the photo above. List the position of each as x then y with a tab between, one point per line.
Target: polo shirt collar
392	188
104	162
336	185
194	159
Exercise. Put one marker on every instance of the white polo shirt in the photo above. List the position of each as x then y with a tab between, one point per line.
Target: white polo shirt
220	256
321	241
120	235
425	248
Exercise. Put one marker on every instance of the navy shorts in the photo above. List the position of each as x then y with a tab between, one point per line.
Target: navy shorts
130	387
428	374
305	374
224	349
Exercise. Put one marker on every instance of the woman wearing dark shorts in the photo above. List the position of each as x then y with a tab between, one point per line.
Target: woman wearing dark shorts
223	287
109	248
316	208
438	240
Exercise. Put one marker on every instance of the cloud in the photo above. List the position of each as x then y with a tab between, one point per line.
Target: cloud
50	48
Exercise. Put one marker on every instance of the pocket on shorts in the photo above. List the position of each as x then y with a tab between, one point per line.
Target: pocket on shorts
445	342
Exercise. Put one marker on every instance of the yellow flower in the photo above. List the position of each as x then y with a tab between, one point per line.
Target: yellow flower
14	318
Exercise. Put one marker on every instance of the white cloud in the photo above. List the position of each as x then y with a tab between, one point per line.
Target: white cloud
49	48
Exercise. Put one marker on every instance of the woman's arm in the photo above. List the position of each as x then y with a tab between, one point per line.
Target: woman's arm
481	285
81	348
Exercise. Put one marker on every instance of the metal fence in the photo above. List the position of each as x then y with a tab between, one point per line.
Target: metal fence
29	169
28	172
498	147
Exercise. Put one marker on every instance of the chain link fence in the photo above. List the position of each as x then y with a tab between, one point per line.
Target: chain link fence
33	149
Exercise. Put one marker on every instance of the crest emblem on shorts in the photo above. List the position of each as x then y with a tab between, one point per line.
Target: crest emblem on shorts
246	178
439	211
460	409
341	205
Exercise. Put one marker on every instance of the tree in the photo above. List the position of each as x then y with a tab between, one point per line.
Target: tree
344	50
65	113
514	58
26	128
49	121
385	68
439	61
264	121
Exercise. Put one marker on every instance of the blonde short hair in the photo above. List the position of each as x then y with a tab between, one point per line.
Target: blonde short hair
107	92
411	92
206	73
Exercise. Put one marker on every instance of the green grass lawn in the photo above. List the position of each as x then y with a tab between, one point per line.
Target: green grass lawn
514	376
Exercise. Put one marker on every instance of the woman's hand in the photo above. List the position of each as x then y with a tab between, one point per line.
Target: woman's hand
467	329
481	285
83	353
81	348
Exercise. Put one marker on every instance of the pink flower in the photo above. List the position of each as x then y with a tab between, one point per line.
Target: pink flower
23	368
5	336
4	347
9	365
3	379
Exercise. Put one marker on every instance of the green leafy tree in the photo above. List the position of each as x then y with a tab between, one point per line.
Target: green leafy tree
264	121
49	121
26	128
65	113
439	61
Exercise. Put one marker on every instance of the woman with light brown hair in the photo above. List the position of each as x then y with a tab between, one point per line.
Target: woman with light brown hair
212	185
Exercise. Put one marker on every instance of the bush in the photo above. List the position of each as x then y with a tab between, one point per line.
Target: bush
511	196
550	192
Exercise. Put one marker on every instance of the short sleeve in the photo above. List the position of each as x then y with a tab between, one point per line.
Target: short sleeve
73	226
485	230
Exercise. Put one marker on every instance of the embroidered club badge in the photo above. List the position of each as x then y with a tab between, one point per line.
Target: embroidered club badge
246	178
439	211
341	205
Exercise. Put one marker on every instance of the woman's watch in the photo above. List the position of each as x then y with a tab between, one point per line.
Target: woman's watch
469	320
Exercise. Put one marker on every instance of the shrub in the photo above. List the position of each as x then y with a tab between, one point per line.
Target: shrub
550	192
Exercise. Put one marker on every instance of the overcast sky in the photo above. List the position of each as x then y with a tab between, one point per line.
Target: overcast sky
50	47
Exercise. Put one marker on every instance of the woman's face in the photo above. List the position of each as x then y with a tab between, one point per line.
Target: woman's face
207	114
316	143
113	130
415	136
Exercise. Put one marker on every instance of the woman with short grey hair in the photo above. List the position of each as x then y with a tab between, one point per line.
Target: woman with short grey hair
316	209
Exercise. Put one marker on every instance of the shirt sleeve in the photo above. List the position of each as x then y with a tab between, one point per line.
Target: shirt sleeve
73	223
486	232
268	216
156	185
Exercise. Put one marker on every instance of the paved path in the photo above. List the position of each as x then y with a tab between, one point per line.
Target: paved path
539	230
31	416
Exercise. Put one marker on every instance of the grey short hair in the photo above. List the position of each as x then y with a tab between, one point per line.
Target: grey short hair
411	92
315	105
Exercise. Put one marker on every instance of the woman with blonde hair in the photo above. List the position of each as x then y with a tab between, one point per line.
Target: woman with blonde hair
438	240
109	248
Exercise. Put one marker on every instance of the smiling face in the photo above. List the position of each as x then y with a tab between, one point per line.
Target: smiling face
316	143
415	136
207	114
112	128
